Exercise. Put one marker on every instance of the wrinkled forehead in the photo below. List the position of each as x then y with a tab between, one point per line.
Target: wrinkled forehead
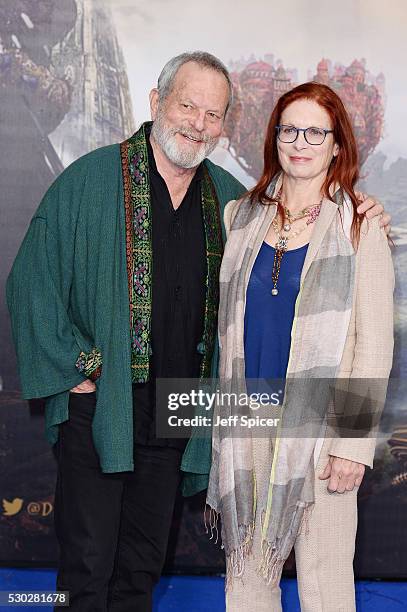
306	113
200	81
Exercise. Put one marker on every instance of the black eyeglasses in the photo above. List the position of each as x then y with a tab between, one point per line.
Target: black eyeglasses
313	135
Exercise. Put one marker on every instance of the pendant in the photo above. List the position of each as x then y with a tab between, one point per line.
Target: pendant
286	227
281	244
274	291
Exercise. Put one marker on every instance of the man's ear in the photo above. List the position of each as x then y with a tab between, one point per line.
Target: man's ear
154	101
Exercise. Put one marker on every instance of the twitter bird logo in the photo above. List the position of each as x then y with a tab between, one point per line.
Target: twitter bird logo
13	507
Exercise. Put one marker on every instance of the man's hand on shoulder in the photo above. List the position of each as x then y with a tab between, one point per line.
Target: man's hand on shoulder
372	207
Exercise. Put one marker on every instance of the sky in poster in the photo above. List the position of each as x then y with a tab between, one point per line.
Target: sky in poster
299	33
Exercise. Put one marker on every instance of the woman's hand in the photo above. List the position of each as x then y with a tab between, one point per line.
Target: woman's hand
87	386
344	475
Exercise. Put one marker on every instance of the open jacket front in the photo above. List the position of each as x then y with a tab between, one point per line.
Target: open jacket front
68	293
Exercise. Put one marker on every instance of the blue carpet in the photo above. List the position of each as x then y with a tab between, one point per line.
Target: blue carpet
205	594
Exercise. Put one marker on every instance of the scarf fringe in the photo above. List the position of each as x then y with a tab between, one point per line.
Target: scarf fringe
213	522
235	561
274	554
271	564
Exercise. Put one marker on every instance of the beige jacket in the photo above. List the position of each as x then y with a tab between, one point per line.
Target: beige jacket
368	351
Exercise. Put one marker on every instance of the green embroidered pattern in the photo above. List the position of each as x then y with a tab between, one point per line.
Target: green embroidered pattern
214	252
138	250
90	364
139	256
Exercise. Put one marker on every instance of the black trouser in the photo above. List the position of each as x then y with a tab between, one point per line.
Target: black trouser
112	528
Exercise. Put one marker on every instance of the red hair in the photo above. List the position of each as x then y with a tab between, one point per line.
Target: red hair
344	168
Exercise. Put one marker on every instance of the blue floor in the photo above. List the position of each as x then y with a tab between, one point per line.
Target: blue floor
205	594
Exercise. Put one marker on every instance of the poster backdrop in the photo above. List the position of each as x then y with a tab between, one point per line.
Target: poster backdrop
75	75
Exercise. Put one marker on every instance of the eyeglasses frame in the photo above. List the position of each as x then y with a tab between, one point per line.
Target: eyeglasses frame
278	128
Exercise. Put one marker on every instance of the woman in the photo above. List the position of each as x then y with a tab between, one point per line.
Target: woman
306	293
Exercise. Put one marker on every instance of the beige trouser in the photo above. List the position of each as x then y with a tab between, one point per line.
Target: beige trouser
324	555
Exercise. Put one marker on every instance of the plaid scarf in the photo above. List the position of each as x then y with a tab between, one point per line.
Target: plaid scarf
321	320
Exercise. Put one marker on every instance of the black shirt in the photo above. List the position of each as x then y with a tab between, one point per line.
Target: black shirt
178	296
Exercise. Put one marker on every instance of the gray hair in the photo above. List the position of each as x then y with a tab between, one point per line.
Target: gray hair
203	59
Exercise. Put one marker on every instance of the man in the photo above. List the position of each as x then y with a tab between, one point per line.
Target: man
115	285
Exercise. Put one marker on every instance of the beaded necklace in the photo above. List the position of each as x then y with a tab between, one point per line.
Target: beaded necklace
310	213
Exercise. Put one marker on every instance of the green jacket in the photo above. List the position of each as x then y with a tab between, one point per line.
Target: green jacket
68	292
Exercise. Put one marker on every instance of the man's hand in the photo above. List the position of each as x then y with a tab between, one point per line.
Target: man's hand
343	474
87	386
372	207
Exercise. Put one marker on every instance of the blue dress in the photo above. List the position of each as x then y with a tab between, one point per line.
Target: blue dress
268	318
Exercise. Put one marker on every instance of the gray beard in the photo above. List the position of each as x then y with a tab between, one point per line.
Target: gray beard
182	157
